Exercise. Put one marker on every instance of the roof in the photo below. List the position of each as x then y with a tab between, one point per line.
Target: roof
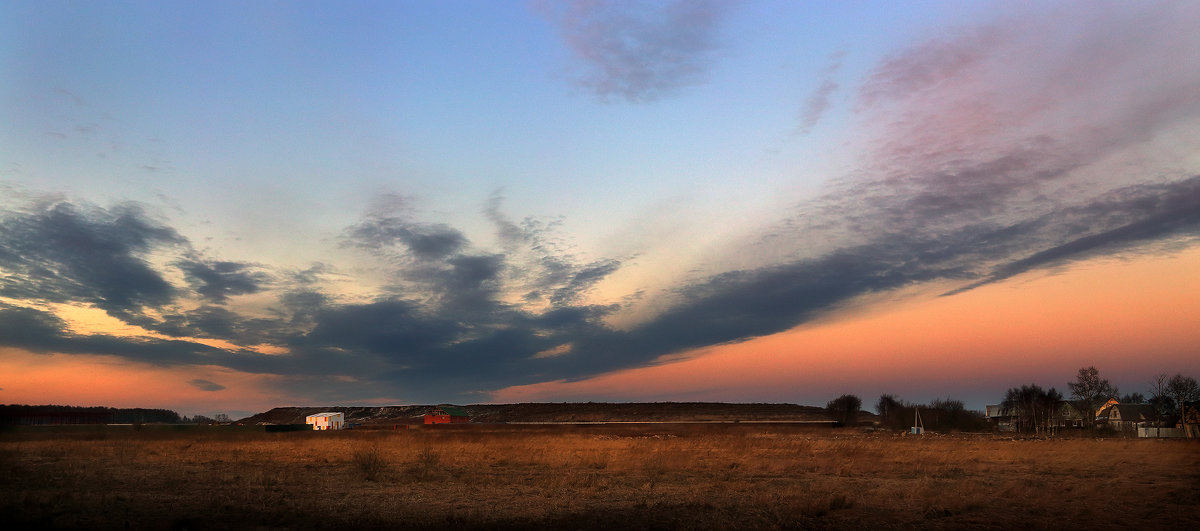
1064	409
326	414
1133	412
1069	410
997	411
453	411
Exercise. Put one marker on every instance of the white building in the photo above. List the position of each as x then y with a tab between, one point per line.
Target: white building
326	421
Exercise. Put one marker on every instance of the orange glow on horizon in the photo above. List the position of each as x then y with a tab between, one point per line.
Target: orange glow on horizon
85	380
1034	328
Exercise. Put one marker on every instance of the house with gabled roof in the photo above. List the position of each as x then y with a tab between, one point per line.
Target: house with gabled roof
447	414
1065	415
1100	412
1129	417
1068	415
1002	418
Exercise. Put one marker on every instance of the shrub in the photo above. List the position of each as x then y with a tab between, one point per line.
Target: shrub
370	461
426	463
844	409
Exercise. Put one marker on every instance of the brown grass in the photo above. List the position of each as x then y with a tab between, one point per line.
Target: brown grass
640	476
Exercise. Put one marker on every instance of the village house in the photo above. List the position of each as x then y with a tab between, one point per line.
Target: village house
447	414
326	421
1069	416
1065	415
1130	417
1101	412
1001	418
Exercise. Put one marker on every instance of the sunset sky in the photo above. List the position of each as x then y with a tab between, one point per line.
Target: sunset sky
229	206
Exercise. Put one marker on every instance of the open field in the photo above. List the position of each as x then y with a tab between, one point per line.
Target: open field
629	476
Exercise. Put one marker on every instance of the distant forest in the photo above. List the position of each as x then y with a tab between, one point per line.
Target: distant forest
13	414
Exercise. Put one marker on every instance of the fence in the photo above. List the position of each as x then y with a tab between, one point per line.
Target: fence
1160	432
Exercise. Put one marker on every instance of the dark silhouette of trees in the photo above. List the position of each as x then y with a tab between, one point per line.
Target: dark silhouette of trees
844	409
1090	391
201	419
943	414
54	414
1132	398
1182	389
1170	395
1160	395
888	407
1034	407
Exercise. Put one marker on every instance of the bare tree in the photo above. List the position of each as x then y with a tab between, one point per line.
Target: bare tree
1090	391
1160	395
1183	389
1048	404
887	407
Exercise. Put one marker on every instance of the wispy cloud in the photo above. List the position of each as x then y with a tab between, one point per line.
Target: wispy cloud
636	51
205	385
819	101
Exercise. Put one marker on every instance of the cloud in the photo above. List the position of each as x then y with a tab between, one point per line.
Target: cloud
62	252
816	105
205	385
1006	124
1123	220
389	227
42	332
639	52
984	114
539	262
28	328
218	280
454	334
818	102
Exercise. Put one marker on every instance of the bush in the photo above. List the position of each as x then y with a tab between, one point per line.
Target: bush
844	409
426	464
370	461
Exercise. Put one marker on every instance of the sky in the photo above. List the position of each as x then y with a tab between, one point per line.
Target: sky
228	206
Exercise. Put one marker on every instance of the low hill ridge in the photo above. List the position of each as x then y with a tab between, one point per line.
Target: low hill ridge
559	412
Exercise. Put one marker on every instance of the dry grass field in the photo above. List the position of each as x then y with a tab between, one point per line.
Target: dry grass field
613	477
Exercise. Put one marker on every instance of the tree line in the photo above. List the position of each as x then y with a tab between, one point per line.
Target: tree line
1033	408
1039	410
943	414
16	414
27	415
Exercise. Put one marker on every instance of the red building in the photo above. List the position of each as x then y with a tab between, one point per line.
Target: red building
447	414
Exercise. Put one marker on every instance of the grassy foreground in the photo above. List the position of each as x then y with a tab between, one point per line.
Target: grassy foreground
612	477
